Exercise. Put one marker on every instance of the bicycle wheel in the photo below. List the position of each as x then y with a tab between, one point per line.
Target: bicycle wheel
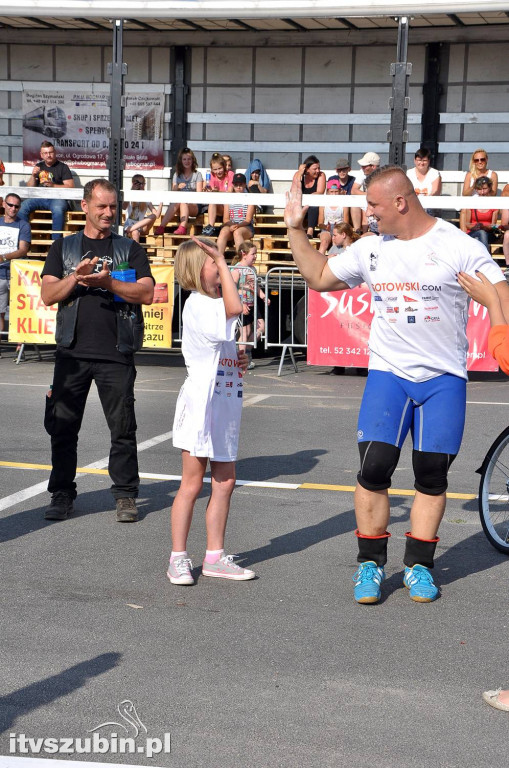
494	493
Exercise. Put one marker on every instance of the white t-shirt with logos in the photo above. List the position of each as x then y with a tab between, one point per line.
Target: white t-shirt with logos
420	311
209	405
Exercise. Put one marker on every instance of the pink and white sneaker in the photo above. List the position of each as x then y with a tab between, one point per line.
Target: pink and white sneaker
179	571
225	568
180	231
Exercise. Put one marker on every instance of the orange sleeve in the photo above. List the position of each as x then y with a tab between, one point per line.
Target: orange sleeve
498	345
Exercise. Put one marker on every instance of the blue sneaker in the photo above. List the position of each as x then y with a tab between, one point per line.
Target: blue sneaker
368	578
420	583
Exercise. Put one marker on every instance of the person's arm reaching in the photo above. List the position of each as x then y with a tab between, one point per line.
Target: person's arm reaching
312	265
231	298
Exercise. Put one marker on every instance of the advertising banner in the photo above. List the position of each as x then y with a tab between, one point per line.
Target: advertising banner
159	315
32	322
339	323
78	122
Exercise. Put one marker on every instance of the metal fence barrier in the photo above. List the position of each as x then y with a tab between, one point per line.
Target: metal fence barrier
286	311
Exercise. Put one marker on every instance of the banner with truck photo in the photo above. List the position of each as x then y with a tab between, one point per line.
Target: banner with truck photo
32	322
77	122
339	323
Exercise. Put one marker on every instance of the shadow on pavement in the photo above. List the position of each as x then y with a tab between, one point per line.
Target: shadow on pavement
45	691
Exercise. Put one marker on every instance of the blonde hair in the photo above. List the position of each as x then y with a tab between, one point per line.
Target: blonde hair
189	261
243	248
472	166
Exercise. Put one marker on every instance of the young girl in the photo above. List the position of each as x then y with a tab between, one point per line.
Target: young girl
244	274
237	218
343	235
187	178
220	180
328	216
139	216
207	415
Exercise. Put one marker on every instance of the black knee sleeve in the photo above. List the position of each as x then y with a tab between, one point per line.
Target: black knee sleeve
378	462
430	470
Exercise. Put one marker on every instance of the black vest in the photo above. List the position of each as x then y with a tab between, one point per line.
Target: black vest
129	316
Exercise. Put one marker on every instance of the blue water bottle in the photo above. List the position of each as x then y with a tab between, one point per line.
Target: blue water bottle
124	273
207	178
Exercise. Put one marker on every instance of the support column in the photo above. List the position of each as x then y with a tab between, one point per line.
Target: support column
399	101
181	89
117	70
431	94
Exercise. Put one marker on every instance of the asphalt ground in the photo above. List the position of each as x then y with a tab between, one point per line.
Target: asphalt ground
286	670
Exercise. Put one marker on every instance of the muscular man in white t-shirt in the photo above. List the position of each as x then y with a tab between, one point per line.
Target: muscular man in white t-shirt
417	370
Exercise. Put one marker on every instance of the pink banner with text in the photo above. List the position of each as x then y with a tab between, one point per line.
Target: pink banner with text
339	324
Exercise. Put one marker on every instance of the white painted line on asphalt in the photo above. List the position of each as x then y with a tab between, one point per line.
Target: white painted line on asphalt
40	762
255	399
35	490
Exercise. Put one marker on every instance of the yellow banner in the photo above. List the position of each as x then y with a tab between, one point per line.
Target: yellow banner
158	316
30	320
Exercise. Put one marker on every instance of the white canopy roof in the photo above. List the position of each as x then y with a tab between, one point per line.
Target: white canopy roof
189	9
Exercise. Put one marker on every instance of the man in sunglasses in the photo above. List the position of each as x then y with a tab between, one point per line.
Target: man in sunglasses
15	237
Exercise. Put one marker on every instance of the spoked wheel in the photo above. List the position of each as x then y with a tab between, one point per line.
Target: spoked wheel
494	493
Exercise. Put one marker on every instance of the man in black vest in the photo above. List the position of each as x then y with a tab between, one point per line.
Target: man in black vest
96	339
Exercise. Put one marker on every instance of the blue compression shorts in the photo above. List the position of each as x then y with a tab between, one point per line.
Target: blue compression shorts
433	410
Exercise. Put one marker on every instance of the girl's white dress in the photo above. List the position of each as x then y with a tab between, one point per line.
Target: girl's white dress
209	405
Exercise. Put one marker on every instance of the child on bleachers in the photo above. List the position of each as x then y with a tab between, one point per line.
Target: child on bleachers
221	180
139	216
328	216
187	178
237	218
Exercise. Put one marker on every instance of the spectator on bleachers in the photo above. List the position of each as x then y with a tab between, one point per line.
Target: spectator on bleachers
139	217
220	180
478	223
328	216
229	163
257	177
51	173
15	237
258	180
479	167
187	178
237	219
368	163
343	177
425	180
343	235
313	182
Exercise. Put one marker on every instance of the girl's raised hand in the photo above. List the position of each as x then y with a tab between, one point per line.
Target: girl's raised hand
210	250
480	290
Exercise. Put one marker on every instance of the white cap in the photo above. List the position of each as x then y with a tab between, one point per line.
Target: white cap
370	158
